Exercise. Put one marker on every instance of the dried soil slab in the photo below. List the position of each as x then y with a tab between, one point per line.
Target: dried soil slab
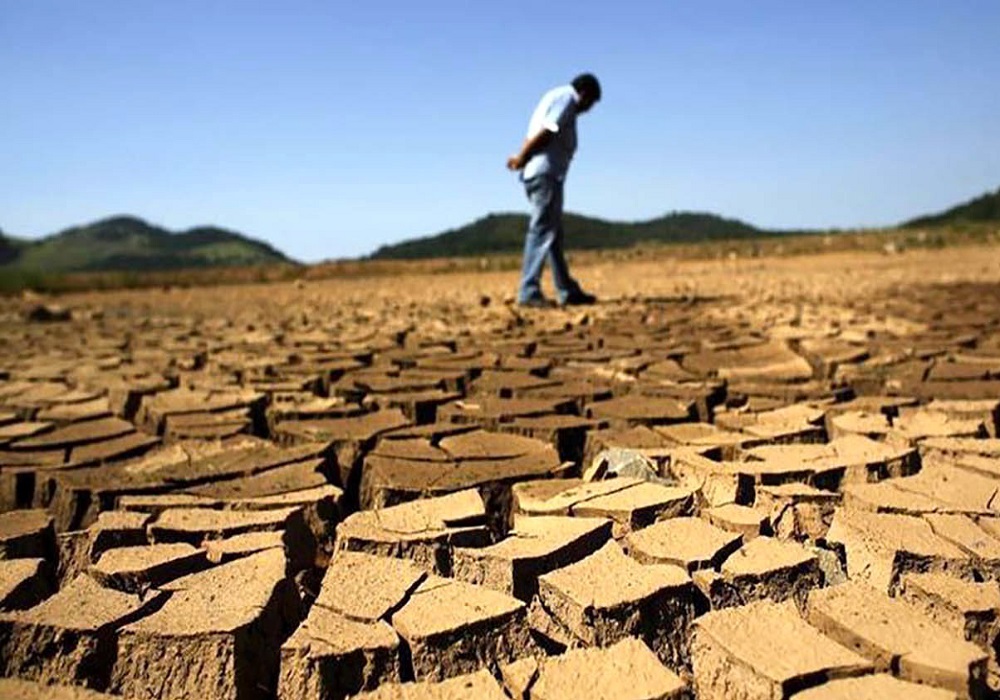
879	686
848	459
797	511
956	371
986	410
717	483
779	432
208	642
117	528
157	408
416	449
535	546
155	504
350	438
434	432
764	568
888	497
559	496
568	434
581	390
969	610
690	543
627	670
637	506
729	443
874	426
27	534
937	488
925	423
194	525
208	426
490	413
306	405
238	546
136	569
11	432
79	493
961	490
764	651
473	685
776	472
452	627
481	444
422	531
419	406
743	520
295	484
959	447
826	354
24	583
880	548
453	380
635	410
115	449
283	478
68	637
970	538
897	638
608	596
772	361
29	690
366	588
322	505
197	525
977	464
75	434
387	482
506	385
331	657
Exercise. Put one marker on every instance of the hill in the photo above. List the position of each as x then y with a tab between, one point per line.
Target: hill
983	208
504	233
10	248
129	243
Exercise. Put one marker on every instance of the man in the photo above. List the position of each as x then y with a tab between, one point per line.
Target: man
544	161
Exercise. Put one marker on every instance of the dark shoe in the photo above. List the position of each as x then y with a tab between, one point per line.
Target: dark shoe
581	298
537	303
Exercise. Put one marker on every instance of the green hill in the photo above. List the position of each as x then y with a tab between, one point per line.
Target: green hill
129	243
504	233
983	208
10	248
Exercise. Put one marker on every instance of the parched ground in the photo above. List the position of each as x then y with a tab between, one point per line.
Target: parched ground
742	478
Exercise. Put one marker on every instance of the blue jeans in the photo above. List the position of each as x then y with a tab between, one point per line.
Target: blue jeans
544	241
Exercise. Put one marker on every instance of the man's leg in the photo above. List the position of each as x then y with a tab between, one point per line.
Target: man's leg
542	229
564	283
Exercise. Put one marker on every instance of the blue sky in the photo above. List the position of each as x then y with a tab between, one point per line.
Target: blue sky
329	128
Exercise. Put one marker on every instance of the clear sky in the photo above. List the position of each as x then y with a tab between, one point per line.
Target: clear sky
329	128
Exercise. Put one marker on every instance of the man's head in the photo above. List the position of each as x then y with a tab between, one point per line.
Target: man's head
588	89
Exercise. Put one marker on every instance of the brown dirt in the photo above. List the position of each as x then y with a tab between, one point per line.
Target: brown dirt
340	486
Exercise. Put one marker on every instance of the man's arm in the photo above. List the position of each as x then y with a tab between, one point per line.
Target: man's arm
530	147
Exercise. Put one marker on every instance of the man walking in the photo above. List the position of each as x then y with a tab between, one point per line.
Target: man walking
544	160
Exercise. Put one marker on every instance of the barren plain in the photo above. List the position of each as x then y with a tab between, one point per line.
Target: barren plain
742	478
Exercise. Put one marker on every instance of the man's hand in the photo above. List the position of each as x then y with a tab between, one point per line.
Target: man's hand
532	145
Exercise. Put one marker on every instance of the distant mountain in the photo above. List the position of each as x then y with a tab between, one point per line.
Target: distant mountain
983	208
129	243
10	248
504	233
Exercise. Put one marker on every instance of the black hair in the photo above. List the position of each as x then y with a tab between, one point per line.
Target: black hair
586	82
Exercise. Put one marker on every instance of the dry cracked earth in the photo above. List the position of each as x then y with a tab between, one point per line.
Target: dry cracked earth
764	478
